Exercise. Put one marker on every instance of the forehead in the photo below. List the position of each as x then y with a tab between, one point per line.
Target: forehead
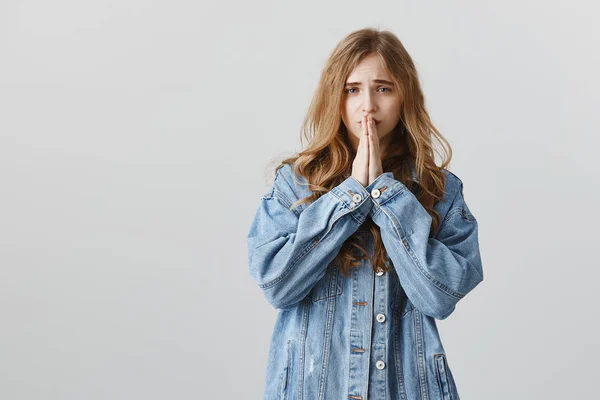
370	68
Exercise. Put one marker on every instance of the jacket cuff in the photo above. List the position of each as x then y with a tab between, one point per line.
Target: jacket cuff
383	188
354	196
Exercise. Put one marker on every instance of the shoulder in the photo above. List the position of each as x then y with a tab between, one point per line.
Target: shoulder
284	187
296	182
285	176
452	186
284	171
454	196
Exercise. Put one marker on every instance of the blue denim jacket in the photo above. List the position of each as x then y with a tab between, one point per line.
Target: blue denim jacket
370	335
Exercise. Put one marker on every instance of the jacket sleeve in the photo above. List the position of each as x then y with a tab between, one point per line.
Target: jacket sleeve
434	272
289	250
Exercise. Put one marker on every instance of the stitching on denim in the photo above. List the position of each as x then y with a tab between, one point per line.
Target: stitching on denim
327	345
399	364
302	347
282	198
339	198
354	217
304	252
401	189
446	218
421	367
408	249
442	358
450	214
438	374
377	211
333	285
285	376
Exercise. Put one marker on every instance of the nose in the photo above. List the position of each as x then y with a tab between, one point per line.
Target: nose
368	104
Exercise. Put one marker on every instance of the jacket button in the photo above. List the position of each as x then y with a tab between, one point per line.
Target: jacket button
380	364
356	198
380	317
379	273
375	193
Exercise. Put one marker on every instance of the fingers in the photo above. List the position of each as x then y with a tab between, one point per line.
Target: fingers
373	138
364	129
360	166
375	167
364	140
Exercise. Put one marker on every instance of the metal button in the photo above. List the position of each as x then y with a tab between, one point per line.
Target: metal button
375	193
380	317
380	364
379	273
356	198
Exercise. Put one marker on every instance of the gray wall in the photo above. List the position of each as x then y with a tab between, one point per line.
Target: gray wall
134	137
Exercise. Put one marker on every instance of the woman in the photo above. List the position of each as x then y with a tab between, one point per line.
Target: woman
362	241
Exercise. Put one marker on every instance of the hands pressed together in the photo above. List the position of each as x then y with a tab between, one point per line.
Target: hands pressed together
367	165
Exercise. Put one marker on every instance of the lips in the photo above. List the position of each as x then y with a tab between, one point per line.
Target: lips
376	121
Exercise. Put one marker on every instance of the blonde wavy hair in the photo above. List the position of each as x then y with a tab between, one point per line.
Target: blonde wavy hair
327	159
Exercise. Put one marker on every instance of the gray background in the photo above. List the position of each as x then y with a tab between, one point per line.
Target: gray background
134	137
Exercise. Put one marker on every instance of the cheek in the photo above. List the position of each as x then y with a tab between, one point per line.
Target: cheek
347	115
351	104
347	108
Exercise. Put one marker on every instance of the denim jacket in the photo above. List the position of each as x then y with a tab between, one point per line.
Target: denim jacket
370	335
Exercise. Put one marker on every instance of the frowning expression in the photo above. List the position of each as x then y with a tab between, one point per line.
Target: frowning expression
369	90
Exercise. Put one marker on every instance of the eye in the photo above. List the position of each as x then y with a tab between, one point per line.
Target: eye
353	88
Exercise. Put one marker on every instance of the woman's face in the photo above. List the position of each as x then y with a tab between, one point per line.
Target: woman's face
369	91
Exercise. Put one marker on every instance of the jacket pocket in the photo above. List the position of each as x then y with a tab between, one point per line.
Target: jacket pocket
443	377
330	285
284	380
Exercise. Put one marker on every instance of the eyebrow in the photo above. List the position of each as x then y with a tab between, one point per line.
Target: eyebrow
374	80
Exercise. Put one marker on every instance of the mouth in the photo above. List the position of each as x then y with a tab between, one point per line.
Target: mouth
376	121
